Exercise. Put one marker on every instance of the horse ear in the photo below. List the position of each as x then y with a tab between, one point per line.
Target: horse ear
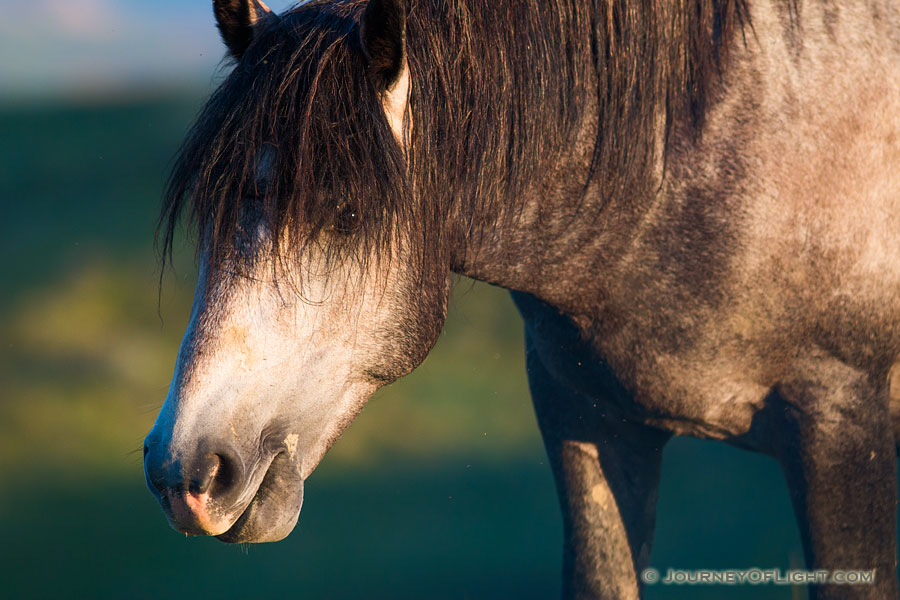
236	20
383	35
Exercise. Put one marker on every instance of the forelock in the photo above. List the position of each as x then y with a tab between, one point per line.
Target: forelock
295	140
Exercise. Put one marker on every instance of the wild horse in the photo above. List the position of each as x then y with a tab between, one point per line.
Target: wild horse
696	204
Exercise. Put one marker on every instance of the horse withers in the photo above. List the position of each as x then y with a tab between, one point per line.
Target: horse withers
696	204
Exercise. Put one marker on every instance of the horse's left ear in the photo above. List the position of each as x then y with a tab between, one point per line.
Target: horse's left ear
236	20
383	34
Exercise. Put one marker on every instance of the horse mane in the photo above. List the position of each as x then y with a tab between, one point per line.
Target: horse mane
495	102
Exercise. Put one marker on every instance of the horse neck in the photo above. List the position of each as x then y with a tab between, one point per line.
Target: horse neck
564	245
507	121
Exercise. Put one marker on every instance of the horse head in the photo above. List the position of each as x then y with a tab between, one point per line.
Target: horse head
317	283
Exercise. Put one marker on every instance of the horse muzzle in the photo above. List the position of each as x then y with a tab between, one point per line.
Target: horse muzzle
213	493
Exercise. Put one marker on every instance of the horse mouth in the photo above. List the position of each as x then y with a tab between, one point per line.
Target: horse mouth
273	512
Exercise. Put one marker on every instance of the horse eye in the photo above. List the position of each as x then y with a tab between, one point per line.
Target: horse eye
347	220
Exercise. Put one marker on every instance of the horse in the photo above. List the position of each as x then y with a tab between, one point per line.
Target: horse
694	203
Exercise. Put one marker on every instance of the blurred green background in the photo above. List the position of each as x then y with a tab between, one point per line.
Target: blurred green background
438	490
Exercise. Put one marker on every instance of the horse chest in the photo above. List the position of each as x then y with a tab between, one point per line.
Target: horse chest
629	373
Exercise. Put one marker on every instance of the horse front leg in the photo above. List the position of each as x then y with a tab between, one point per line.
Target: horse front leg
837	450
607	476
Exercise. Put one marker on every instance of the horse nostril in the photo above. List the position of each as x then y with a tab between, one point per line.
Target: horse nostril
156	474
214	473
203	474
209	469
226	475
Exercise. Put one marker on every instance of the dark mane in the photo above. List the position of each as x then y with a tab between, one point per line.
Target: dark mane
497	89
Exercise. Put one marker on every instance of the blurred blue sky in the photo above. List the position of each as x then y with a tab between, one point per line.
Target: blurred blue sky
102	47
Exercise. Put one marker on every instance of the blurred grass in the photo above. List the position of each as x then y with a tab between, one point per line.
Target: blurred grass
438	490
